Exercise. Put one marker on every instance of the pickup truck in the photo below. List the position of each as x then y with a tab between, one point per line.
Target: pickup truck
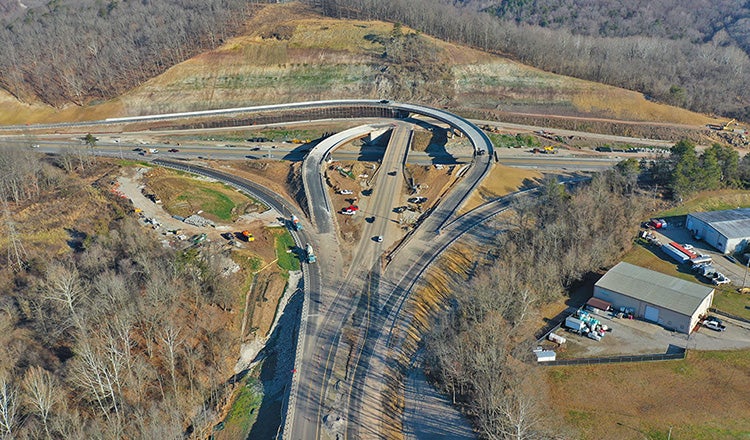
714	325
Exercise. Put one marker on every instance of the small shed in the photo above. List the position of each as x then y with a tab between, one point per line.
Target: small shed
598	306
545	355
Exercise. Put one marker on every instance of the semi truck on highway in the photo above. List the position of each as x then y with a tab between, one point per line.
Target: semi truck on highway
296	225
310	254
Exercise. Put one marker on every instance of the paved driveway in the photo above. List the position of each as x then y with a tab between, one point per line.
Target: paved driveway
734	270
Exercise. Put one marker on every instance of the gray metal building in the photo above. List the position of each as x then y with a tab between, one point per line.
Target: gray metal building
724	230
671	302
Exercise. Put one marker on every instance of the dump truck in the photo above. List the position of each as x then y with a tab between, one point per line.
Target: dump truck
296	225
310	254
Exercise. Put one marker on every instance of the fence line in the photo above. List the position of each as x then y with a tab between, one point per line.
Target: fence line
620	359
728	315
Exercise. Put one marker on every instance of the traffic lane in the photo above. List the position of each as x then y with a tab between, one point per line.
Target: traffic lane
579	164
388	182
239	153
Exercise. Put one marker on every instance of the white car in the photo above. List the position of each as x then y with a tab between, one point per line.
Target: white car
721	279
346	192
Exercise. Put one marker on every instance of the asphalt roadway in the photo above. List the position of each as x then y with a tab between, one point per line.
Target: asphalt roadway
318	378
386	292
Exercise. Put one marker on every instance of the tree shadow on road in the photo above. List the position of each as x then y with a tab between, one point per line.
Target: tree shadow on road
276	372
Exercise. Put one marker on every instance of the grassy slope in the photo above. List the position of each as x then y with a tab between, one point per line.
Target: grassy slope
321	58
184	195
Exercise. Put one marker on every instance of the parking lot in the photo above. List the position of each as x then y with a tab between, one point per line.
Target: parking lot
633	336
732	269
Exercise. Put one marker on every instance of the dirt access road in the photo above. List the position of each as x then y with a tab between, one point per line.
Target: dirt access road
130	185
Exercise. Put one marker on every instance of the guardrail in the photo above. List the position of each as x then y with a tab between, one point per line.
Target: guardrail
274	202
619	359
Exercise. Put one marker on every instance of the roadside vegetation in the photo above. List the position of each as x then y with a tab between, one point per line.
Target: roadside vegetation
105	333
247	399
513	141
286	250
479	348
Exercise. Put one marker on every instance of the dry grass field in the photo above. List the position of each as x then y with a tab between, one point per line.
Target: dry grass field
701	397
502	180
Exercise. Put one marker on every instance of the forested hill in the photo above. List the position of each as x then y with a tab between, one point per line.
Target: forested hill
64	52
724	22
688	52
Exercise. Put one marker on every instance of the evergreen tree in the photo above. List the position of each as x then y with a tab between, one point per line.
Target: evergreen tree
711	172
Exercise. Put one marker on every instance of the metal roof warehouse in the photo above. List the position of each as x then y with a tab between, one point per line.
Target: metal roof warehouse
671	302
724	230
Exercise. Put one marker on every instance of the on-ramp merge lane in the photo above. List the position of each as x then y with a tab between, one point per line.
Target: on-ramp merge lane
320	360
446	207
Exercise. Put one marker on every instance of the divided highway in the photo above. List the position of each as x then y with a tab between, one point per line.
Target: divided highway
320	331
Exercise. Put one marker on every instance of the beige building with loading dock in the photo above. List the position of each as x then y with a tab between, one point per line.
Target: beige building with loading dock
671	302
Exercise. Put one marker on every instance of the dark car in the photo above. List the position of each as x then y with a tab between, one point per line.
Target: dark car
137	149
173	150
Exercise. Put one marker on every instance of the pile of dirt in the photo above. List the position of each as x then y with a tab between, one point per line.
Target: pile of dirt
429	181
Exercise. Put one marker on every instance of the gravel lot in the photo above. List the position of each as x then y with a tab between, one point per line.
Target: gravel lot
632	336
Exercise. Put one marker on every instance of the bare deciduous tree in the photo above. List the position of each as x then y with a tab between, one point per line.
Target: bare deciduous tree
9	404
171	340
41	395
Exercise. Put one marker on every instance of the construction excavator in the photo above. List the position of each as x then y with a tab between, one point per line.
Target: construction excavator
728	125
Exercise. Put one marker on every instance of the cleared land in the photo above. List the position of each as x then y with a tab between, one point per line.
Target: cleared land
185	195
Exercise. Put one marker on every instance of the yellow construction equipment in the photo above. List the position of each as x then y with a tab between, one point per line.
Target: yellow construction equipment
728	125
549	149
